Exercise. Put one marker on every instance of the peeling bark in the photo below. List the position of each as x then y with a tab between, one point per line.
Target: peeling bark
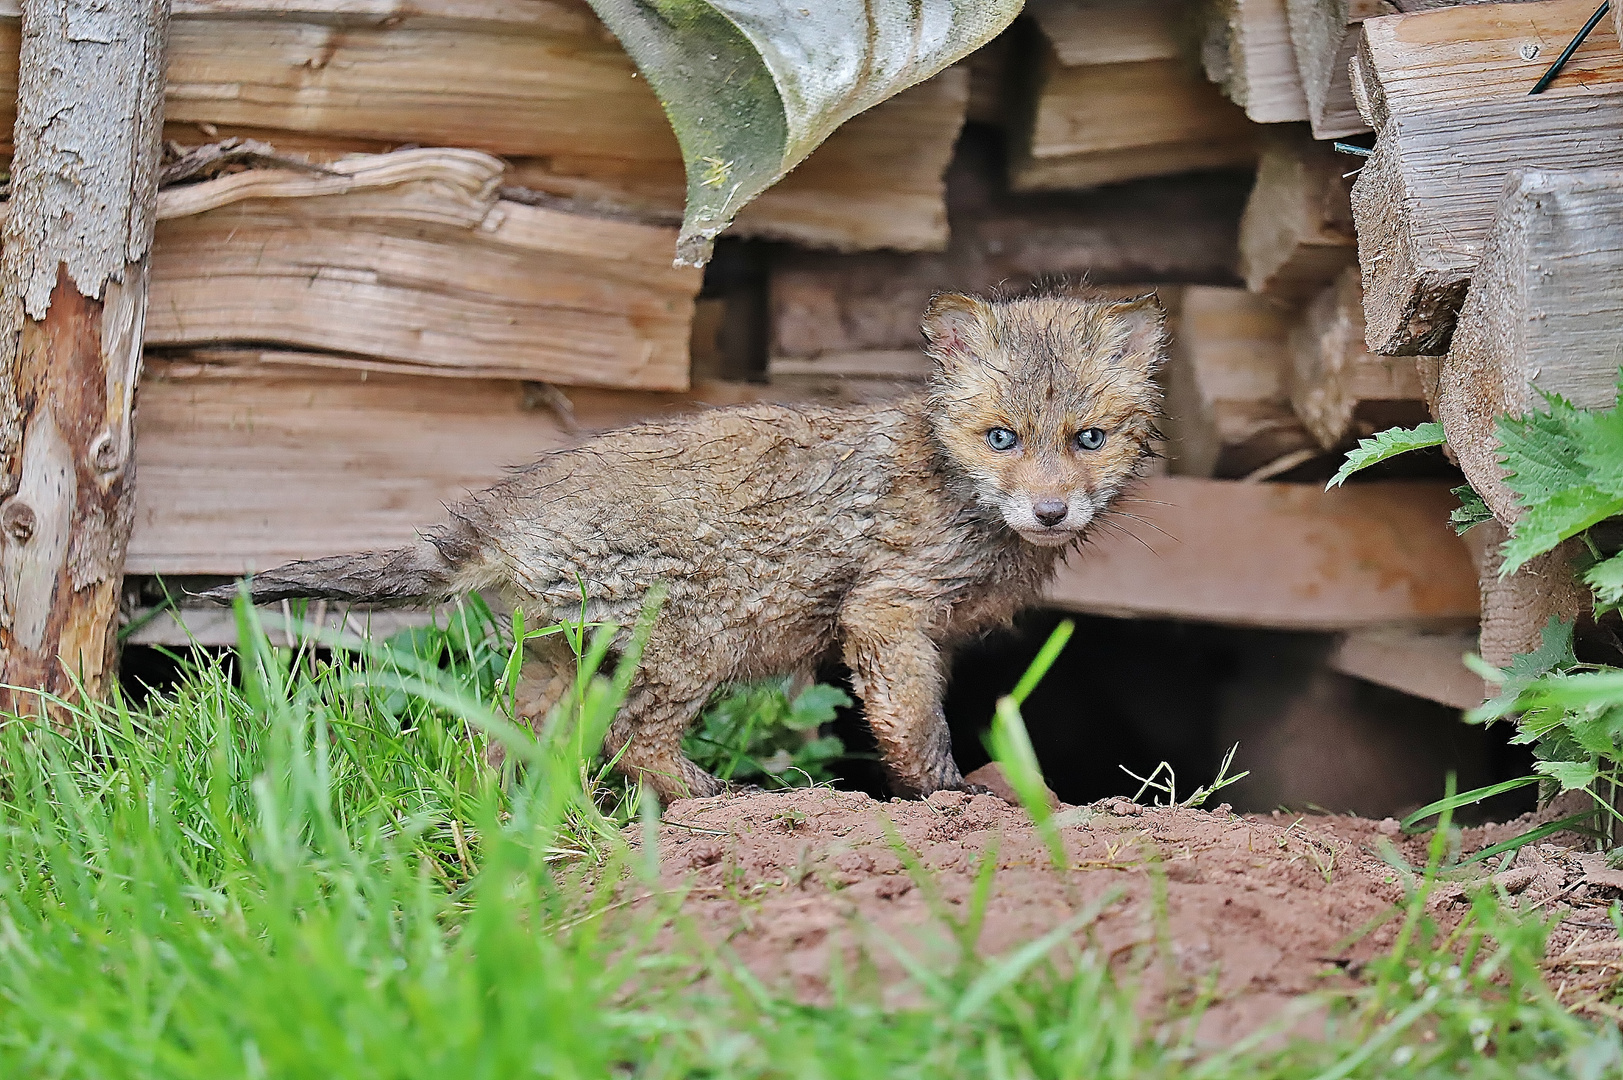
73	286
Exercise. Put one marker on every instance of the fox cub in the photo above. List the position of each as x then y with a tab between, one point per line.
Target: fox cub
884	534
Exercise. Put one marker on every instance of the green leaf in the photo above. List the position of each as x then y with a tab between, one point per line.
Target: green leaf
1387	444
1471	512
1606	578
816	705
753	86
1571	775
1555	518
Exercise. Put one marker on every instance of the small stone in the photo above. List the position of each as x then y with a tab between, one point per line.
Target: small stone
1388	826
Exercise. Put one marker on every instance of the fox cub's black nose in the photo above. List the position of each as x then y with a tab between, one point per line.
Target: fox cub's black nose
1049	511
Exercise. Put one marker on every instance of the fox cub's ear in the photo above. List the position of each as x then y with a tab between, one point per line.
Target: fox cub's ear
1143	323
955	324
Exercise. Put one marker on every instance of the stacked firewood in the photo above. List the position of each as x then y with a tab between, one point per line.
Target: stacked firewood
401	247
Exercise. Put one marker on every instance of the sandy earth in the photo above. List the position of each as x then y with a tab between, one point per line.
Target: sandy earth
1270	906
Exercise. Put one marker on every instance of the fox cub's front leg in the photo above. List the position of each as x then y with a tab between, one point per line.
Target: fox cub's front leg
896	669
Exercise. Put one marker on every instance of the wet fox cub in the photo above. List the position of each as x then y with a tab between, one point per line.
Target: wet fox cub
784	533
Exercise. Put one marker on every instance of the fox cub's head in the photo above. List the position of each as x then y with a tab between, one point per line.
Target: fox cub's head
1047	404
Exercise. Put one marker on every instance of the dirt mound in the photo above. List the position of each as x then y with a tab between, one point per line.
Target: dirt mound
793	880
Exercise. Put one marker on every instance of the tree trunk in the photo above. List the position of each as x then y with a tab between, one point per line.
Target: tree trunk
73	286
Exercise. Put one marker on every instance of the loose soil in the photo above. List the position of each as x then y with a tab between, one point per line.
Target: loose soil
1265	908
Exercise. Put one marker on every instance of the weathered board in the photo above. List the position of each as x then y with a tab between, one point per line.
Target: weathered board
1324	35
411	258
1429	666
1543	316
1284	555
1446	91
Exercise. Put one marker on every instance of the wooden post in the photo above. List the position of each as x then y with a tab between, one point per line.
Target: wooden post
73	286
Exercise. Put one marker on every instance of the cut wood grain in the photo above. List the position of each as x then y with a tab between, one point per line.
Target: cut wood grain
1542	317
1114	31
1098	124
1341	390
1228	410
1247	51
1297	232
1282	555
411	258
539	81
1447	92
1429	666
1324	35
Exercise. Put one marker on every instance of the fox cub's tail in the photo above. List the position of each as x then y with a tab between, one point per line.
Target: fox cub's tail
426	571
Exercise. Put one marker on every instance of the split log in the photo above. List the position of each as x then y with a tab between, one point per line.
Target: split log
1247	51
1341	390
1093	124
1447	92
1542	315
544	83
1324	35
1113	31
1282	555
1429	666
411	258
1297	232
73	296
1228	410
1516	609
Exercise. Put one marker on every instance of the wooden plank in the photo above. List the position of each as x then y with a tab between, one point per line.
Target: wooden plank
1282	555
539	81
1247	51
1429	666
1297	232
1341	391
1228	410
1104	123
1447	92
411	258
248	464
1543	314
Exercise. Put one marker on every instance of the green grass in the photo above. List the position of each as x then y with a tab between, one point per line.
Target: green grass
311	870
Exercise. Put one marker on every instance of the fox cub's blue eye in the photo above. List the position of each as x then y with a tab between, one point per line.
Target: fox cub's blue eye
1090	438
1001	438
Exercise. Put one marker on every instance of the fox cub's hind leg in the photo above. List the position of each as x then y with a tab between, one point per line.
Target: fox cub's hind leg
664	701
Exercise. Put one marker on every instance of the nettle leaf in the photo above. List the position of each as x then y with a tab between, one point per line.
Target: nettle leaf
1555	518
1387	444
1470	513
1606	578
1570	775
753	86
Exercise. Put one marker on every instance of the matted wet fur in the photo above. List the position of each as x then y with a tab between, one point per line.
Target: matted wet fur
882	533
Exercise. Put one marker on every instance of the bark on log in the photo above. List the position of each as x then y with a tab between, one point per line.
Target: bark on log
1543	314
1297	232
1447	92
1247	51
1228	410
73	290
1341	390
